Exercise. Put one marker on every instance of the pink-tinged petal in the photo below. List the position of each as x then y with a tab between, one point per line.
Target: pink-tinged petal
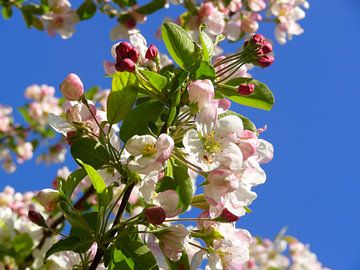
109	67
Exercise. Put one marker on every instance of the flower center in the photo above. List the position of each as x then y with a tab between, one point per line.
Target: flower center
149	150
210	144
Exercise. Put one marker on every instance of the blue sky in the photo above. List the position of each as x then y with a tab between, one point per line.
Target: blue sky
313	182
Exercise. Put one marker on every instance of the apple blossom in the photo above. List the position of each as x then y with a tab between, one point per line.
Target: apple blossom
201	92
172	241
72	87
48	198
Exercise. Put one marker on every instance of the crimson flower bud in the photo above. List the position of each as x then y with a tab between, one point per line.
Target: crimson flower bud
134	54
155	215
266	61
227	216
37	218
48	198
258	39
246	89
72	87
123	49
130	23
266	47
151	52
125	65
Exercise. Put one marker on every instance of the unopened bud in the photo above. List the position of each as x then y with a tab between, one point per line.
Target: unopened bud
258	39
125	65
48	198
155	215
227	216
246	89
134	54
266	47
72	87
123	49
151	52
37	218
130	23
266	61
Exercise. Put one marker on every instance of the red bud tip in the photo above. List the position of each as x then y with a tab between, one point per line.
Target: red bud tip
226	215
123	49
37	218
246	89
151	52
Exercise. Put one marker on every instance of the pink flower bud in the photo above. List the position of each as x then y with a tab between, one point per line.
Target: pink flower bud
151	52
201	92
246	89
48	198
123	49
125	65
266	61
37	218
72	87
155	215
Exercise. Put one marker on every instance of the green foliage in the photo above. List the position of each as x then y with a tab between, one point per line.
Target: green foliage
151	7
68	186
94	176
182	264
203	70
137	121
122	96
262	98
86	10
206	44
69	243
179	44
135	253
180	182
90	152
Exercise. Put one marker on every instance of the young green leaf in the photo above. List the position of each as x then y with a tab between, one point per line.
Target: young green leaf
206	44
90	152
262	98
138	120
122	97
68	186
152	80
204	70
94	176
138	252
179	44
69	243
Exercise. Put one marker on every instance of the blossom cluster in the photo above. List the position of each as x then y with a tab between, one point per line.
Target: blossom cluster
234	19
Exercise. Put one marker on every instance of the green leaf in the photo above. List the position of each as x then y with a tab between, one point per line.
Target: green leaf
153	80
86	10
262	98
138	252
183	186
138	120
248	124
37	23
69	243
120	261
206	44
179	44
90	152
151	7
182	264
95	177
204	70
84	235
72	182
6	12
90	93
22	244
122	97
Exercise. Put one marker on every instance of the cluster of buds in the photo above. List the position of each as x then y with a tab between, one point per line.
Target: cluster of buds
257	51
126	57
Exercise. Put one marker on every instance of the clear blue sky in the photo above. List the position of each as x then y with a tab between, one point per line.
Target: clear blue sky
313	182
